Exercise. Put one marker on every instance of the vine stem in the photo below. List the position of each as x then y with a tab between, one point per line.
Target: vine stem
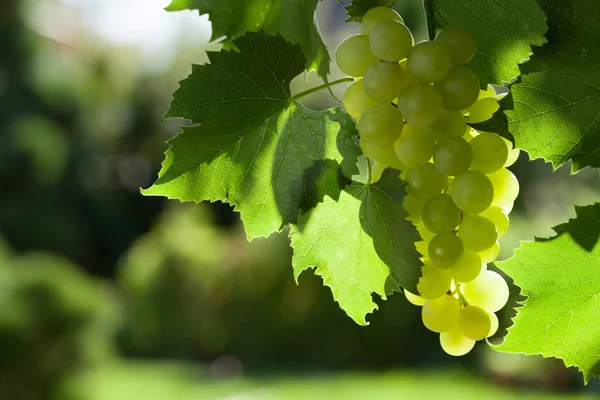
369	172
321	87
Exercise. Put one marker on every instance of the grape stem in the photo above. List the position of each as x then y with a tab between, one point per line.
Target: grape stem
321	87
460	296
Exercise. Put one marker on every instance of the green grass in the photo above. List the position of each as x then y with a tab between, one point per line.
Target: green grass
171	381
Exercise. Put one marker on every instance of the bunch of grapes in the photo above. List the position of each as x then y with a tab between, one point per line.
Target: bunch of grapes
412	103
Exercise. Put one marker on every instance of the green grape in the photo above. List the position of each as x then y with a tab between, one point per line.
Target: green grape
428	61
381	152
472	192
414	299
488	291
452	156
489	152
494	324
477	233
474	322
490	254
498	217
445	249
383	81
513	153
390	41
381	122
483	109
468	267
425	182
420	104
459	88
356	100
415	146
414	208
376	15
441	314
449	124
506	188
454	343
459	43
354	55
434	282
440	214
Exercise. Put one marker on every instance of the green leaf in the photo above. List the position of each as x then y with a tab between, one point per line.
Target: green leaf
255	147
295	20
360	244
504	32
358	8
555	108
561	278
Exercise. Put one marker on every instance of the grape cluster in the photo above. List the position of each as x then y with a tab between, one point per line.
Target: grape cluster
412	103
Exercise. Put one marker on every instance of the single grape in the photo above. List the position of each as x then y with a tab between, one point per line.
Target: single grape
506	188
383	81
441	314
513	153
390	41
489	152
415	146
474	322
381	122
381	152
414	299
434	282
452	156
468	267
354	55
428	61
488	291
482	110
420	104
440	214
494	324
498	217
454	343
414	208
459	43
376	15
459	88
425	182
477	233
445	249
449	124
356	100
472	192
490	254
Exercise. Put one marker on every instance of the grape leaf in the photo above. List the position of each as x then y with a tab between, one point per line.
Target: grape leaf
255	146
358	8
360	244
555	109
295	20
561	278
504	31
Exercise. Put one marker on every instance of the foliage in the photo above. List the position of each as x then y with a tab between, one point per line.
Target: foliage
553	112
295	20
56	323
559	276
352	241
265	153
358	8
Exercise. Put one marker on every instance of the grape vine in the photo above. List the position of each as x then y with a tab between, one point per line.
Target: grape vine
426	215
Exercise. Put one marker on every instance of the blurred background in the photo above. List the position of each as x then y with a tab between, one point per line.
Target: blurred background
107	295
